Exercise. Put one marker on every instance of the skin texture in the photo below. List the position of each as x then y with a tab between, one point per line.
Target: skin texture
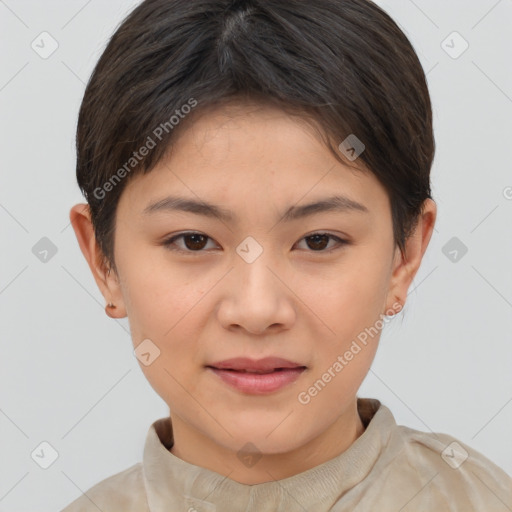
293	301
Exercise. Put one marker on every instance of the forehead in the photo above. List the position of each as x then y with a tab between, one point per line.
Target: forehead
251	153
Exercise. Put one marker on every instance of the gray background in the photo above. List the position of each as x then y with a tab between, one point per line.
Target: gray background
68	375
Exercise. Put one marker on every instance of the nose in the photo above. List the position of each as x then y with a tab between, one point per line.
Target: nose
256	298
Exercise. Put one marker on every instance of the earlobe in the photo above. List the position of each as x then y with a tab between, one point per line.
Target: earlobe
80	218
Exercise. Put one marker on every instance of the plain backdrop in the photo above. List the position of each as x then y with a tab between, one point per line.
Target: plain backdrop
68	375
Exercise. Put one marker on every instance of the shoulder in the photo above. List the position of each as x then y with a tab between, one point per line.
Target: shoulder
122	491
445	470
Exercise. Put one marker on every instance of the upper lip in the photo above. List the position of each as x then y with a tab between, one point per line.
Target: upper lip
245	363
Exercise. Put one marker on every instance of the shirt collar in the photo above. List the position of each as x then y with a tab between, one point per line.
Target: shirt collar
174	484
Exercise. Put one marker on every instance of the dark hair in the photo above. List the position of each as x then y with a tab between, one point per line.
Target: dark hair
343	65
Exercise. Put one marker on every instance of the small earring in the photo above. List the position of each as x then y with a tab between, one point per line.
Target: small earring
110	305
109	309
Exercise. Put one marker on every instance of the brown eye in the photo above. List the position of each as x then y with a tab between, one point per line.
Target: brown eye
319	242
195	241
192	242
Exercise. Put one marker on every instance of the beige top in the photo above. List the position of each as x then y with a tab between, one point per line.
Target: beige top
389	468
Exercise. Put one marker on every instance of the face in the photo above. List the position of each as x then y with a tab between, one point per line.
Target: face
257	275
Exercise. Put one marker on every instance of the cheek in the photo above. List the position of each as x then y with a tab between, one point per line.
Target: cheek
350	306
167	309
350	297
157	296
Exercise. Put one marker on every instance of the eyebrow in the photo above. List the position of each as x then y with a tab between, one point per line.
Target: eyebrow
337	203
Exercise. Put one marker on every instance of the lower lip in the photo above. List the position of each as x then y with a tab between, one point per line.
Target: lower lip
259	383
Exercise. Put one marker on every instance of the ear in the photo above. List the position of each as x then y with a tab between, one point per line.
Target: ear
406	265
108	283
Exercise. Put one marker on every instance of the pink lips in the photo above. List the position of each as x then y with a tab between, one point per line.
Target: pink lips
257	376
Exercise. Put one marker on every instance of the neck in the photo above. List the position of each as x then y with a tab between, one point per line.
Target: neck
192	446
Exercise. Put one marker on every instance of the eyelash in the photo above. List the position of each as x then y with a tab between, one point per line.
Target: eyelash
170	241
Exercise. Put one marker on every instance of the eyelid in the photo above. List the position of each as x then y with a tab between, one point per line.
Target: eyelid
167	242
341	242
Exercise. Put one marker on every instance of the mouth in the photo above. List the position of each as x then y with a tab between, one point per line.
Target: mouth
265	365
257	372
257	377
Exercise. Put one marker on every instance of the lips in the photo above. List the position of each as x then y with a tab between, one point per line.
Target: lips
257	377
265	365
